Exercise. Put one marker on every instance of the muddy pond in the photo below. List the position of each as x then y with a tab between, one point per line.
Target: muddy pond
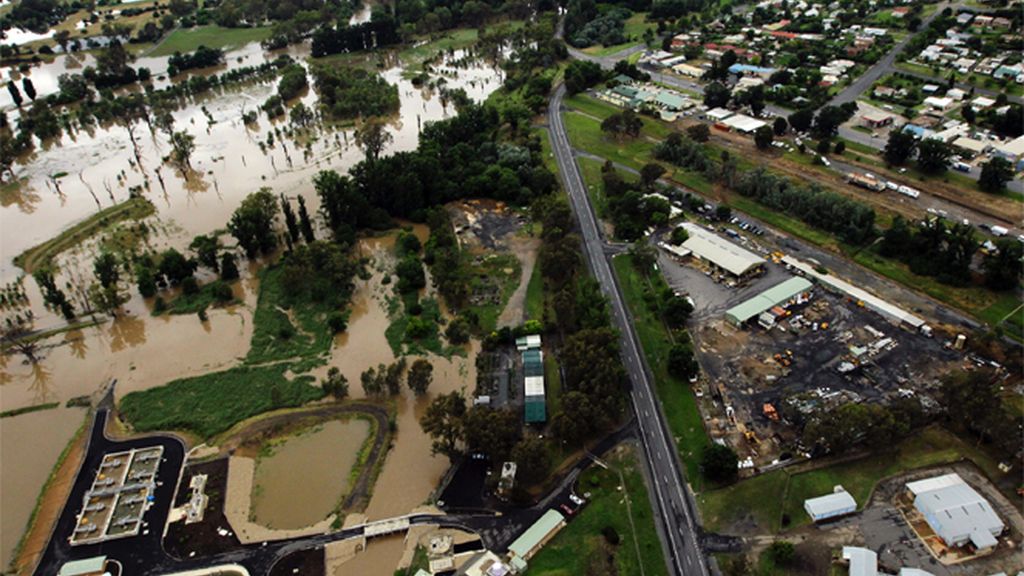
141	351
313	468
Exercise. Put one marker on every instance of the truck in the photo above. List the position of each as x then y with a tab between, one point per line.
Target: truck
866	181
999	231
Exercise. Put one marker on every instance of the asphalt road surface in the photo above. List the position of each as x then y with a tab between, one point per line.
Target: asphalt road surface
670	496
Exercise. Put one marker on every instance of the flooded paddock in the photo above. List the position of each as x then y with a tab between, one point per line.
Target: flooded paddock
311	467
68	180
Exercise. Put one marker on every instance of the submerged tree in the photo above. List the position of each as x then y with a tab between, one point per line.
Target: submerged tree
373	138
252	224
443	422
183	145
420	376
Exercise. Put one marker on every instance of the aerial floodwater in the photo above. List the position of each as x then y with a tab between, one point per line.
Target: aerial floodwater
66	181
316	464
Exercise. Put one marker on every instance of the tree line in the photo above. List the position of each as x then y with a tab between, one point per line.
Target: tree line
945	250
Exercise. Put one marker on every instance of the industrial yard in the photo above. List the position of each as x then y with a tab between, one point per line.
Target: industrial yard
779	341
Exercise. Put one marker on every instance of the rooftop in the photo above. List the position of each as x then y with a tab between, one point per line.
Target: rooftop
863	562
830	504
773	296
549	523
723	253
92	565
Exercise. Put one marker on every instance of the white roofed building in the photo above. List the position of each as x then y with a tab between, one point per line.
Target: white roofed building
720	252
956	512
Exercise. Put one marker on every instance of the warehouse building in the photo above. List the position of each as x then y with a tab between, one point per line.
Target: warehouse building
793	290
830	506
721	253
534	538
863	562
534	401
743	124
956	512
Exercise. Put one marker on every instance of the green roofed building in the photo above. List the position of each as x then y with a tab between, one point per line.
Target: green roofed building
777	295
670	101
88	567
536	536
535	406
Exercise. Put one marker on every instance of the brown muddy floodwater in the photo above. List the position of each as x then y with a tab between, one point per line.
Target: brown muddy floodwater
304	478
29	447
380	558
410	473
141	351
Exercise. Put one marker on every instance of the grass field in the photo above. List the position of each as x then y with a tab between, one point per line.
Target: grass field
580	545
275	333
496	271
41	255
585	134
677	400
212	36
765	498
633	28
209	404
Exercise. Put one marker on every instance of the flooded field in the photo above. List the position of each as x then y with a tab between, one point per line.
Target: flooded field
314	464
141	351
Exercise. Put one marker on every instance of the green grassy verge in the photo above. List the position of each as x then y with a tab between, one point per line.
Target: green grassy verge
535	295
545	146
553	384
209	404
677	400
590	169
580	546
29	409
212	36
41	255
765	498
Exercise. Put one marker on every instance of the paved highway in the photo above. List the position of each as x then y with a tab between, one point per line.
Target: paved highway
671	498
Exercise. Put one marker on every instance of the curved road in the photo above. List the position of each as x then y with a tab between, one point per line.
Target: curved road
672	501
